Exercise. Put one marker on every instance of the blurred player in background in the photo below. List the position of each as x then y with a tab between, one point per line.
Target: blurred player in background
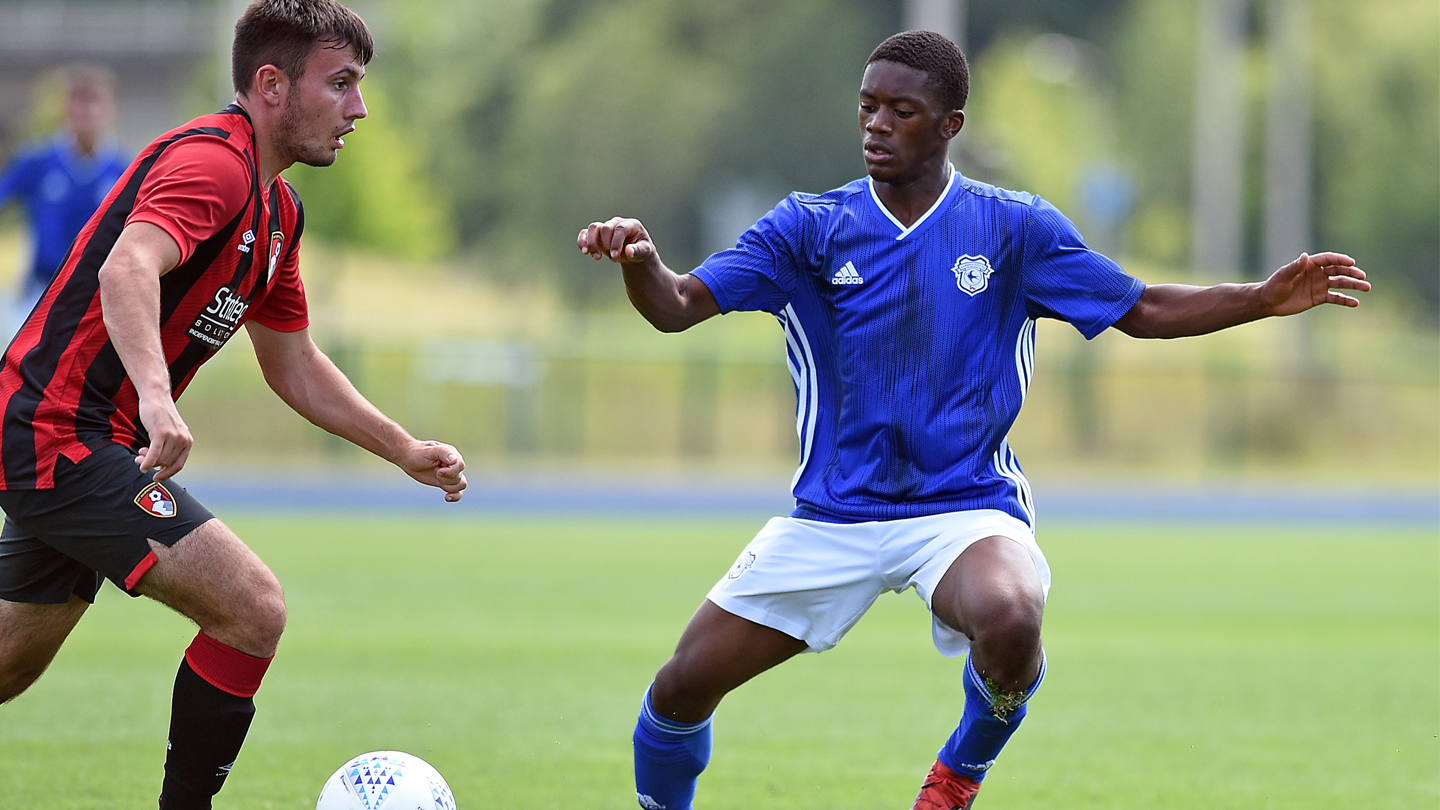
62	181
199	237
908	300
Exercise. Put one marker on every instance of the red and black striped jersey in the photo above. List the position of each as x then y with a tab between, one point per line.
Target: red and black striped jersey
63	388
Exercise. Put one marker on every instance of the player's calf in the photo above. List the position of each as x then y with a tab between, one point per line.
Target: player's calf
994	595
210	714
669	757
718	652
30	635
213	578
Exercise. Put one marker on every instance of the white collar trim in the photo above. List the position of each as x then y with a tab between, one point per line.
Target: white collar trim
904	231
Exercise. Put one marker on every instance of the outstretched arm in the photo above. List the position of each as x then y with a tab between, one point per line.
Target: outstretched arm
670	302
1181	310
310	383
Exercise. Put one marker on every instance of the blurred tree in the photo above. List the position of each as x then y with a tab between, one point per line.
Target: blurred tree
537	116
546	115
378	193
462	64
1087	19
1036	103
1377	99
1377	136
613	117
1153	50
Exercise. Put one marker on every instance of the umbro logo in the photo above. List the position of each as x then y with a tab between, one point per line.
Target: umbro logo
847	275
246	239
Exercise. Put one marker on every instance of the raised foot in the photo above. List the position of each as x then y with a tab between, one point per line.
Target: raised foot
946	790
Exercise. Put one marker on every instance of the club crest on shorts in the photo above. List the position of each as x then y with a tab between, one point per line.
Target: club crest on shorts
741	565
972	274
156	500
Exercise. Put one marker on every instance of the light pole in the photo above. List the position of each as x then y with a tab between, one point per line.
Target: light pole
1216	235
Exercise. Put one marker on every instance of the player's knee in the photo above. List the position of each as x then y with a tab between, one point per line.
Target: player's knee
680	692
1010	625
270	615
260	620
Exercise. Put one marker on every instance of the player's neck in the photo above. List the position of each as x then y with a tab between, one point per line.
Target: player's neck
271	158
86	143
271	162
908	199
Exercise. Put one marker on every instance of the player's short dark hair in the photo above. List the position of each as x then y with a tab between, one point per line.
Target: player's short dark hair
284	33
932	54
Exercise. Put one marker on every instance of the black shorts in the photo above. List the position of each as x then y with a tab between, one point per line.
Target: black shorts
95	524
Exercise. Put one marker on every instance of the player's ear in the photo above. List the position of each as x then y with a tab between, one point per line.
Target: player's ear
951	124
271	84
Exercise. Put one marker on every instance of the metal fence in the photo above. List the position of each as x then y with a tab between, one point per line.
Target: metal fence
1186	410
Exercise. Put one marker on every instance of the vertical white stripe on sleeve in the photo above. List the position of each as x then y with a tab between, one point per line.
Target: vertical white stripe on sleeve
807	398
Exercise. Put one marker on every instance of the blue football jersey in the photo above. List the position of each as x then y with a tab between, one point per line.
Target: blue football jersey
912	348
61	190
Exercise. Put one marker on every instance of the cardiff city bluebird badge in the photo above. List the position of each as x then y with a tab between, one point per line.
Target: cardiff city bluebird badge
972	274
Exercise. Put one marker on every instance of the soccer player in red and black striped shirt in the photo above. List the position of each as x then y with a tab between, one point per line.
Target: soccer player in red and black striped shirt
198	238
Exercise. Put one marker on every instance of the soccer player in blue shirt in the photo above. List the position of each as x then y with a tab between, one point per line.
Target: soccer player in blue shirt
63	180
908	300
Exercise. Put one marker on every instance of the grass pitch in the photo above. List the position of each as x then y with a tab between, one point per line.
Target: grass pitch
1190	667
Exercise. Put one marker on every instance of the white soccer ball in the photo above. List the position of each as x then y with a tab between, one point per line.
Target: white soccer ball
386	780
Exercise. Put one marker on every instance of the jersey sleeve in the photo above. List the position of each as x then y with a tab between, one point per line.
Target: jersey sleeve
761	271
1066	280
19	177
284	308
195	187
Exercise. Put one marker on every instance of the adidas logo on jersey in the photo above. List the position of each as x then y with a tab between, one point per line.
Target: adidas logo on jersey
847	275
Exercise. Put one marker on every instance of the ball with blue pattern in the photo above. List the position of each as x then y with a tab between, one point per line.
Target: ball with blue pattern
386	780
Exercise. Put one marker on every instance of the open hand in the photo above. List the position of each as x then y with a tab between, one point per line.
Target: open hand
436	464
618	239
1310	281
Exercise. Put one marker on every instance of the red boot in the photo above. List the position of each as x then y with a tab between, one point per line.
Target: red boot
946	790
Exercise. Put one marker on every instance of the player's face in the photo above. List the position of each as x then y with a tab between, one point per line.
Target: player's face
88	111
904	130
323	105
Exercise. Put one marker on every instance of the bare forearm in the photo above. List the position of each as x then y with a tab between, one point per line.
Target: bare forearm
668	301
318	391
1181	310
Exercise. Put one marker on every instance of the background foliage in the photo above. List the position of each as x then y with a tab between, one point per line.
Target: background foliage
525	119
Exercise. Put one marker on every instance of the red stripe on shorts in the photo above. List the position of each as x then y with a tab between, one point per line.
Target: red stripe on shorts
140	569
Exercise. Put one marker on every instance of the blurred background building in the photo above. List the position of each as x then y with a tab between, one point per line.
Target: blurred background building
1191	139
155	48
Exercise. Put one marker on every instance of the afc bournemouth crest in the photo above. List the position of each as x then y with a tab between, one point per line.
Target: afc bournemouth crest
156	500
276	240
972	274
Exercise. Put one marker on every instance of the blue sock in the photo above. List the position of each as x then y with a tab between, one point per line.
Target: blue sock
669	757
972	749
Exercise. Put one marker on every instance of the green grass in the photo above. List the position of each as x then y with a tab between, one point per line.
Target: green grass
1191	667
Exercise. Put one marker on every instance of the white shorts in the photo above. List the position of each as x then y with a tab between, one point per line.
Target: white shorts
814	580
